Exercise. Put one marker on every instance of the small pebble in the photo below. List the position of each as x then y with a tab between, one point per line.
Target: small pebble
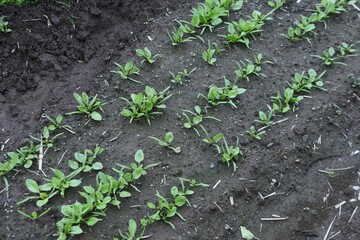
305	138
212	165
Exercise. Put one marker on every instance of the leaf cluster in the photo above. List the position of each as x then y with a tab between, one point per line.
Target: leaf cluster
143	105
166	142
86	160
88	106
223	95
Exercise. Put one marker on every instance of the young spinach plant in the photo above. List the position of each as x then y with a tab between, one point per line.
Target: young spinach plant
146	55
88	106
169	137
126	71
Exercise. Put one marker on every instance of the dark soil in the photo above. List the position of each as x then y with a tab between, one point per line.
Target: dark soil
41	67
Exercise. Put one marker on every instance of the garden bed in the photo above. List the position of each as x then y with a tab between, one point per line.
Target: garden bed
303	174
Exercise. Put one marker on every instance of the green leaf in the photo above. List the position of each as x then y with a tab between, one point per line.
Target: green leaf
125	194
132	227
139	156
96	116
246	234
174	191
46	133
42	202
92	221
151	205
169	137
97	166
171	212
74	183
32	186
75	230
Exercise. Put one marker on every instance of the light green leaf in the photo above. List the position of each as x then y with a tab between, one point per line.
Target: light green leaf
96	116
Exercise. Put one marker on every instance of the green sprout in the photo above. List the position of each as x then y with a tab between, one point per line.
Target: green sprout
34	215
146	55
86	160
254	133
126	71
230	154
169	137
208	55
4	24
143	105
88	106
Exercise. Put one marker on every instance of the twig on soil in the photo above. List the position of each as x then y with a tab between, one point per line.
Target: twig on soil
274	219
334	235
216	184
329	228
48	20
280	121
356	7
116	137
219	207
31	20
265	197
231	200
62	156
135	206
353	213
41	156
330	170
358	98
147	236
3	145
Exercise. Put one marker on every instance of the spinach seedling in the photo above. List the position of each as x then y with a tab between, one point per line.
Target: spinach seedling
75	215
167	208
197	118
179	76
169	137
86	160
57	124
4	25
146	55
254	133
143	105
208	55
276	4
247	235
129	69
60	182
34	215
41	190
138	169
131	232
265	119
88	106
223	95
177	36
283	103
331	56
23	156
302	83
212	141
230	154
45	138
208	15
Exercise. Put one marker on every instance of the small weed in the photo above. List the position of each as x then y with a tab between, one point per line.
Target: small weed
208	55
88	106
129	69
169	137
143	105
254	133
4	24
146	55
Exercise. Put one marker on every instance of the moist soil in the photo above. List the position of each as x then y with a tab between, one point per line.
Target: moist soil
56	49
